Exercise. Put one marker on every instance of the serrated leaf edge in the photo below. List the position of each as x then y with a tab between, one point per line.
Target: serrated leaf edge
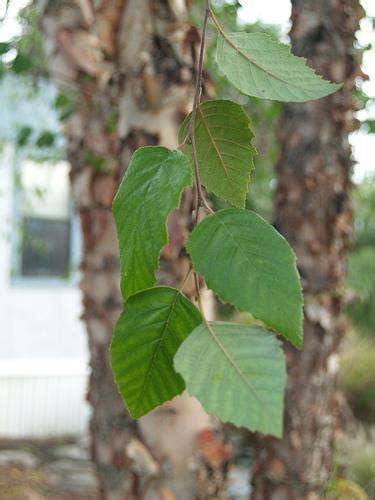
226	39
210	329
252	150
165	225
225	300
137	414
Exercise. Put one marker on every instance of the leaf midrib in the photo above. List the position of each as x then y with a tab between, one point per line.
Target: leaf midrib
124	263
158	346
259	66
213	143
236	367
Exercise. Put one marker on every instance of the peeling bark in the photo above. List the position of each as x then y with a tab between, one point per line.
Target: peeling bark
313	210
130	64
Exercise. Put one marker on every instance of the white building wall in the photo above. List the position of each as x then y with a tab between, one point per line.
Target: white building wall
43	351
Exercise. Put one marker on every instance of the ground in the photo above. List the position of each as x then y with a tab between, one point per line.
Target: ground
46	470
60	469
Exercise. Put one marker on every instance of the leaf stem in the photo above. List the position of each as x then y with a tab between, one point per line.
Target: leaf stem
182	286
200	199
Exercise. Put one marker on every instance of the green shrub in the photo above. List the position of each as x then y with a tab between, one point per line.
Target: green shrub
357	376
361	272
343	489
355	457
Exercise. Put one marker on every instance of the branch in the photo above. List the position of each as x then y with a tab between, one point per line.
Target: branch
200	198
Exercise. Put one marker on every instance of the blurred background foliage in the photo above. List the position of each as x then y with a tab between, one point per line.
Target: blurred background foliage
23	67
361	263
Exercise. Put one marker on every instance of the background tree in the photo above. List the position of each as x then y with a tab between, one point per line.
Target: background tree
312	209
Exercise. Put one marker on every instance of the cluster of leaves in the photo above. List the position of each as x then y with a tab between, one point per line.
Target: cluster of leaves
23	62
25	53
46	140
357	377
264	113
162	341
361	259
355	460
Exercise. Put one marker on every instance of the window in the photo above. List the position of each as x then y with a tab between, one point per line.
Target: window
46	229
45	247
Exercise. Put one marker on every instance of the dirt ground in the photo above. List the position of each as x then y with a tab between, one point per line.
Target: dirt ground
46	470
60	469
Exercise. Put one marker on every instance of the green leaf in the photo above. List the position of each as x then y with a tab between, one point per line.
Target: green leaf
5	47
21	63
250	265
62	101
65	105
150	189
225	153
45	139
237	372
259	66
23	135
151	328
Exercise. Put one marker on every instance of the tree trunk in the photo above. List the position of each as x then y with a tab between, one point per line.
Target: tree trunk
313	210
130	65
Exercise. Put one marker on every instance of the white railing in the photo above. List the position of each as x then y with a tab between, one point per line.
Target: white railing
43	397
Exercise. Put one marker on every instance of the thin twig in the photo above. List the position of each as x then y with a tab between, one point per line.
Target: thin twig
199	196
